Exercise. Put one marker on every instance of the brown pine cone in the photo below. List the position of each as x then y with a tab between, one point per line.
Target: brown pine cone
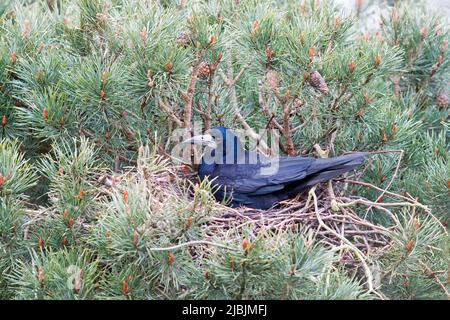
203	69
443	100
272	80
318	82
183	38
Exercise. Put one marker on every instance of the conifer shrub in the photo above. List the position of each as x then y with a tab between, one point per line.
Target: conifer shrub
93	205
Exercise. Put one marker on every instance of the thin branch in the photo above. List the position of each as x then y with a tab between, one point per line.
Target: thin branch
287	130
241	72
394	176
432	273
224	78
207	114
170	112
191	243
348	245
299	127
383	204
341	94
230	82
366	184
263	103
104	146
412	203
187	114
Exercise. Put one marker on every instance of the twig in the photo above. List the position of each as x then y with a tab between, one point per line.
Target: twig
263	103
366	184
230	81
285	129
341	94
189	95
348	245
383	204
191	243
432	273
394	176
106	147
412	203
170	112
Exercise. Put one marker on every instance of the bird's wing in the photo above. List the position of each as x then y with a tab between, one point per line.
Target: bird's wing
265	177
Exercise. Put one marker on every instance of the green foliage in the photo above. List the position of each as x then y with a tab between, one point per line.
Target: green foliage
16	173
85	84
71	171
16	177
276	266
63	274
407	263
423	39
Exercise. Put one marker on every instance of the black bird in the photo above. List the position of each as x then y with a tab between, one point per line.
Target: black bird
251	179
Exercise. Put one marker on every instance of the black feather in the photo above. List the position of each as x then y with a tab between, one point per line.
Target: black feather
255	185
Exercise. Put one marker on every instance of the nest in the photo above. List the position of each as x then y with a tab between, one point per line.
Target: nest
332	219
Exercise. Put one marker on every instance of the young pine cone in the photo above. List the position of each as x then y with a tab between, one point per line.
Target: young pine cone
318	82
443	100
203	69
183	38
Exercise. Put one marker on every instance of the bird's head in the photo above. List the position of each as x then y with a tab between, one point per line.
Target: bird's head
222	140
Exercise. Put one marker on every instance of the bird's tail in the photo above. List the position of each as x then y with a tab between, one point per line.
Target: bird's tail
322	170
347	162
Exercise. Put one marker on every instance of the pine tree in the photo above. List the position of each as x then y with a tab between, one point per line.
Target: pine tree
91	92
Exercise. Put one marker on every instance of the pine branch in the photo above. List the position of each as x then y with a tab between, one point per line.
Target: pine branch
106	147
230	82
189	95
170	112
428	271
192	243
348	245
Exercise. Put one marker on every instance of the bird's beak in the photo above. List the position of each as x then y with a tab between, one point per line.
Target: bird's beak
205	140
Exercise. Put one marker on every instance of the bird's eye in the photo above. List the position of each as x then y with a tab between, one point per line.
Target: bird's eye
216	136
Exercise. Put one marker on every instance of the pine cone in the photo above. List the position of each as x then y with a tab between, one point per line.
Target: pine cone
443	100
318	82
203	69
183	38
272	80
